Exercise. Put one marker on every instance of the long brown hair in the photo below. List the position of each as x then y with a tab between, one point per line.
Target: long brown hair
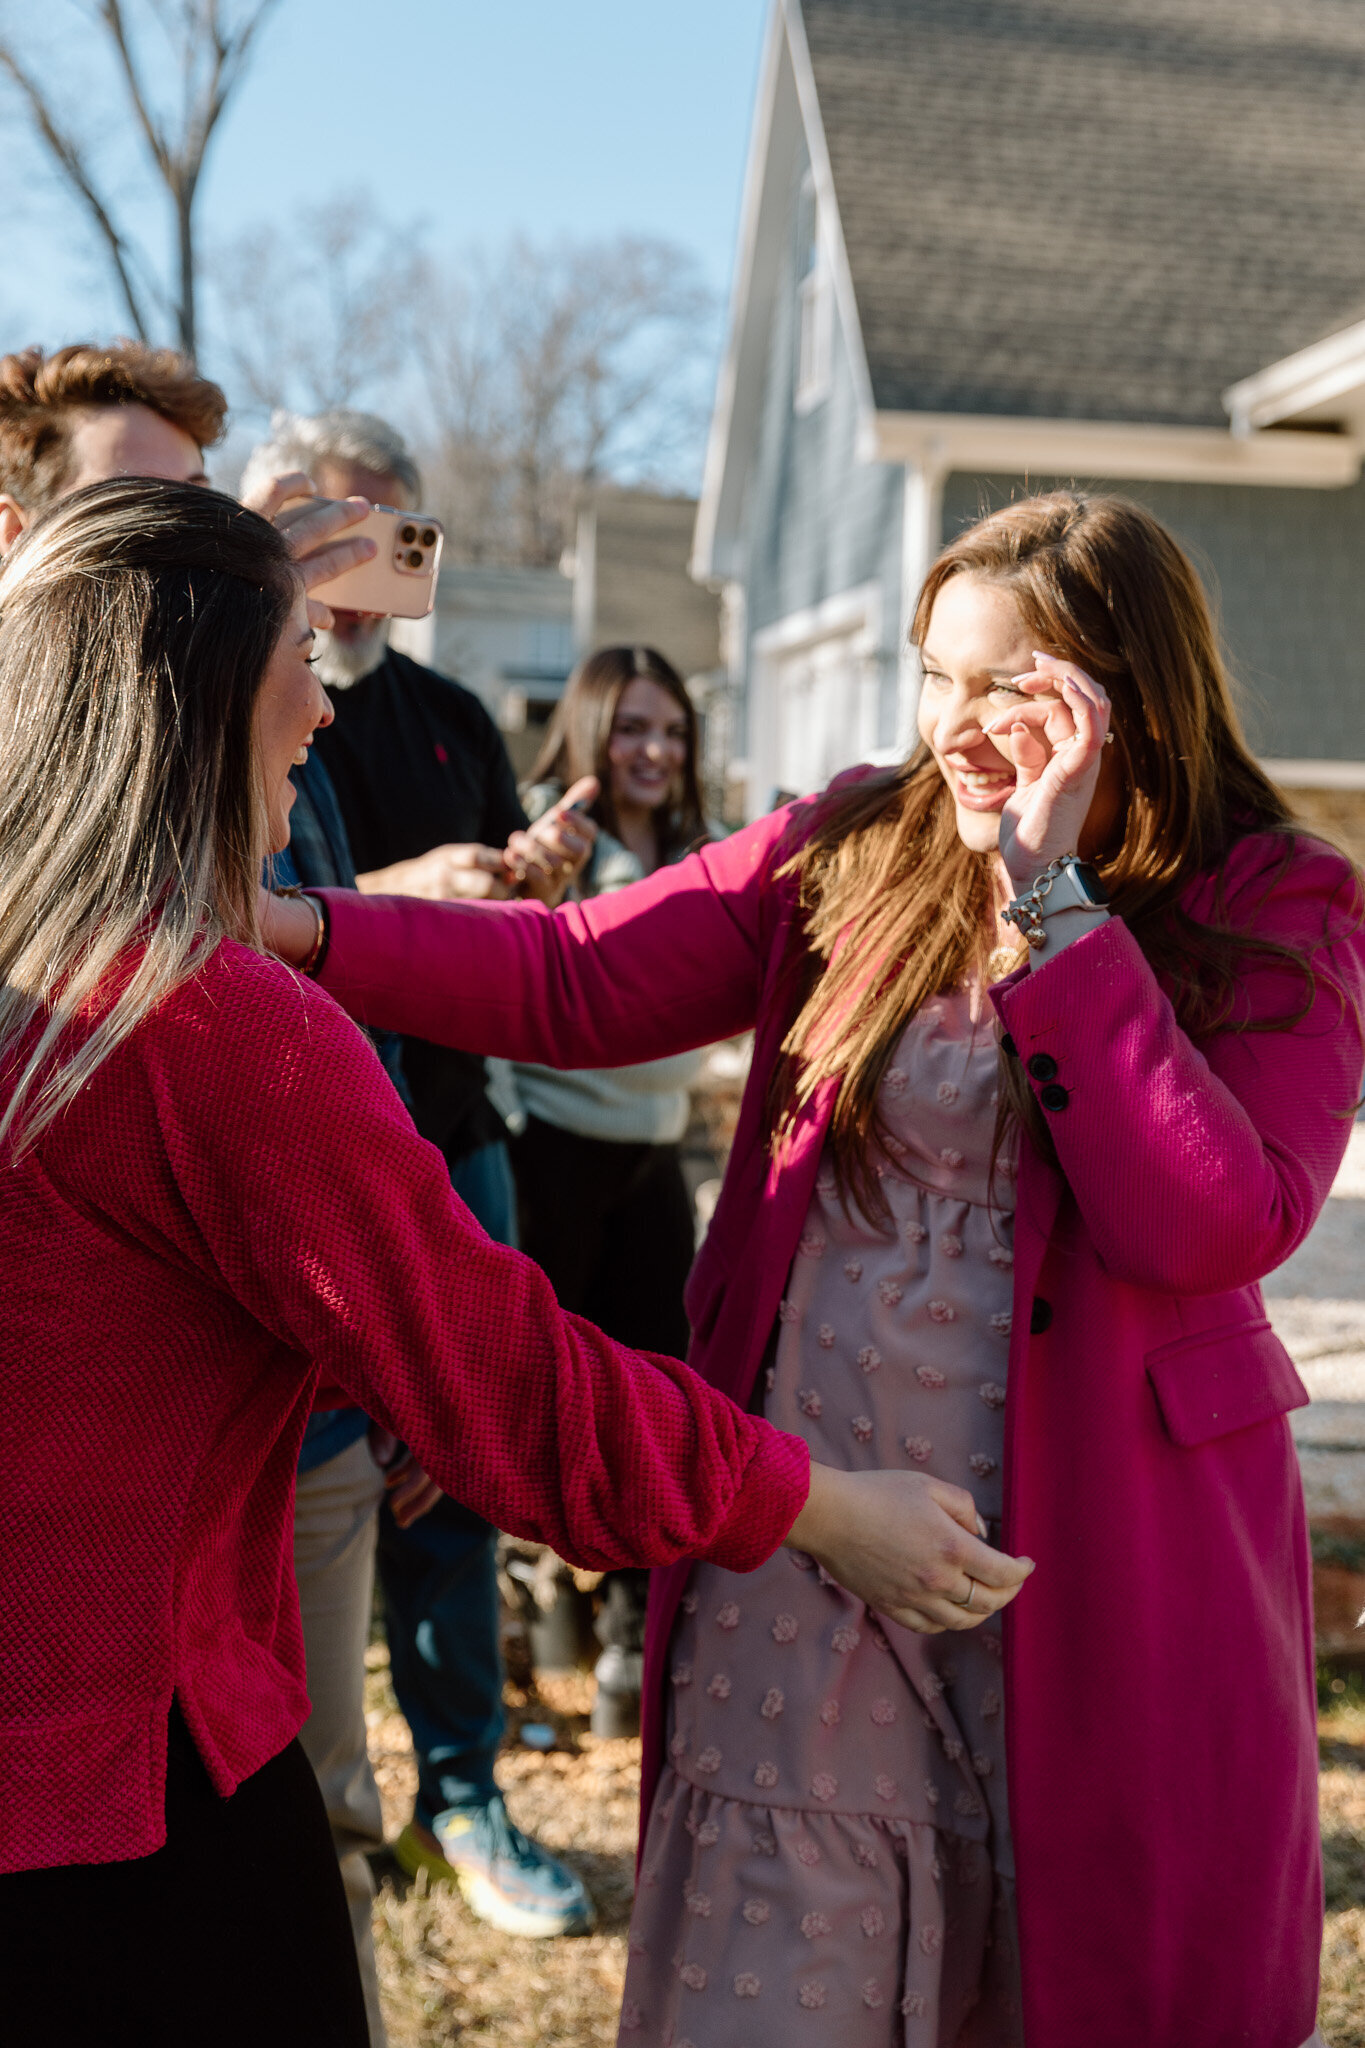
896	908
137	620
579	737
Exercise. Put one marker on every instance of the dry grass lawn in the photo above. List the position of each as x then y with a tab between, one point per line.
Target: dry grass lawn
1341	2014
448	1978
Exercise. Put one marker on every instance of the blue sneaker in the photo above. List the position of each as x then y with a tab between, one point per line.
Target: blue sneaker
505	1878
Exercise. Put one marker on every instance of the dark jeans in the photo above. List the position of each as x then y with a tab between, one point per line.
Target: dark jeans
440	1586
611	1228
235	1932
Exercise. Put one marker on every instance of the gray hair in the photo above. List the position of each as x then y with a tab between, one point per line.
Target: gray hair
298	440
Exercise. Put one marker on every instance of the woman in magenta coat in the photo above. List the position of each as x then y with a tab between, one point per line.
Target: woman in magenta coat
1179	1055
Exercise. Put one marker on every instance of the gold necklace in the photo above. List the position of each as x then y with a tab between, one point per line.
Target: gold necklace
1005	959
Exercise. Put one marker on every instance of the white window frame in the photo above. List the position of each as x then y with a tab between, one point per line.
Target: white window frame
814	308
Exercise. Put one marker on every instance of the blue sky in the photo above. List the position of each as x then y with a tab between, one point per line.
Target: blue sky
479	117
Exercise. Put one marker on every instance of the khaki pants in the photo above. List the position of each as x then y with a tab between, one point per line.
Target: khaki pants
334	1538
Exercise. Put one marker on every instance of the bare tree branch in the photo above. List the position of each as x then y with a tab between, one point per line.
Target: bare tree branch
547	369
213	51
319	313
70	160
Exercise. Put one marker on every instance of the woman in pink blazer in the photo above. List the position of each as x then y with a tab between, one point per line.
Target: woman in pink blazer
1179	1055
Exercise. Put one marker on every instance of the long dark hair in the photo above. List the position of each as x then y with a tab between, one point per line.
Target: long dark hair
897	908
137	619
580	734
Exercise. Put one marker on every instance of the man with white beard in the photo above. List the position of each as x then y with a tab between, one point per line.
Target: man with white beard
429	801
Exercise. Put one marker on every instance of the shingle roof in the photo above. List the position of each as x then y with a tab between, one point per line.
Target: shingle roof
1102	209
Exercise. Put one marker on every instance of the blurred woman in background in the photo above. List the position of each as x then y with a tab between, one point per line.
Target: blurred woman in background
602	1203
603	1206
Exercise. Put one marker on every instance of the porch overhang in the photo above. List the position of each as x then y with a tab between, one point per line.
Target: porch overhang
982	443
1322	385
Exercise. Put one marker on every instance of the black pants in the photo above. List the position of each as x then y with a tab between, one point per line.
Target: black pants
234	1935
611	1227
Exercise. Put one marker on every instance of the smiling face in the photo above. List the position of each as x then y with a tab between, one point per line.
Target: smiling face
976	642
290	706
648	746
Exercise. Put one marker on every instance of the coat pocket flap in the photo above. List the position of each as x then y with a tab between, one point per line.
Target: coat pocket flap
1220	1380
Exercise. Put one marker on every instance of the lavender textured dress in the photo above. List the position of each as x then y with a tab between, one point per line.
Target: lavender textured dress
828	1857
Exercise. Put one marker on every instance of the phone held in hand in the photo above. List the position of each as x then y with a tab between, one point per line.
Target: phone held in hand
400	580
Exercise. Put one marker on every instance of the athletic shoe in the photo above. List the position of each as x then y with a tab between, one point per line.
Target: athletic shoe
505	1878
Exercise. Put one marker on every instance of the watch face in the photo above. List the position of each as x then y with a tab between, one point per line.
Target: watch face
1088	882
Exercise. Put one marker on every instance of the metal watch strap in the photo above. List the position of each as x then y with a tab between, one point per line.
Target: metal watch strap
1068	883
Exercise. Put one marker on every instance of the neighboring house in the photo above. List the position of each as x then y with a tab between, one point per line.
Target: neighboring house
631	586
630	579
512	635
993	245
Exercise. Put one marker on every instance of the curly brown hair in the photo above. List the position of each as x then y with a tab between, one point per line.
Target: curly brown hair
40	394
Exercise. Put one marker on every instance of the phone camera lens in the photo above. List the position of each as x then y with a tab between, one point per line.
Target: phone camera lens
407	534
414	558
428	536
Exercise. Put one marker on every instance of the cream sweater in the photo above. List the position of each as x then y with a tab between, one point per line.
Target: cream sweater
644	1105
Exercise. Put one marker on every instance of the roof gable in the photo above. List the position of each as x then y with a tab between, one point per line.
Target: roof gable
1091	209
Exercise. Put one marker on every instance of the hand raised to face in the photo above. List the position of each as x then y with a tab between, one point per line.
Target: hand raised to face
1056	735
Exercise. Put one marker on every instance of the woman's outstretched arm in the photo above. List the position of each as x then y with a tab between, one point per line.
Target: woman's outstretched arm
673	962
289	1175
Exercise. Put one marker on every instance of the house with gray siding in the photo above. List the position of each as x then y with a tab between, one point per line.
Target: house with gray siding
989	246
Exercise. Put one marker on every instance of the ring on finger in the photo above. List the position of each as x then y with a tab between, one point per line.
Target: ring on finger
971	1595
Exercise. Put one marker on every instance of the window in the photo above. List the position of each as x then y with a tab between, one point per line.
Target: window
814	304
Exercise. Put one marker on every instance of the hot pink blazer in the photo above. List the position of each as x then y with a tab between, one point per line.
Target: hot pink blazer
1159	1664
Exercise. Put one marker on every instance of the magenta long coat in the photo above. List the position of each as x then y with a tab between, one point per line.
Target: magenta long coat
1159	1664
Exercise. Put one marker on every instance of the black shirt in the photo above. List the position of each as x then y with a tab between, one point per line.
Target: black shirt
417	762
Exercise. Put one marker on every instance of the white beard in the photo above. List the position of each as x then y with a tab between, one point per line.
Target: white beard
339	663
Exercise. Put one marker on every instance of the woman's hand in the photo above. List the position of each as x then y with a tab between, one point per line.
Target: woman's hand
908	1545
313	531
550	854
1057	744
412	1492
